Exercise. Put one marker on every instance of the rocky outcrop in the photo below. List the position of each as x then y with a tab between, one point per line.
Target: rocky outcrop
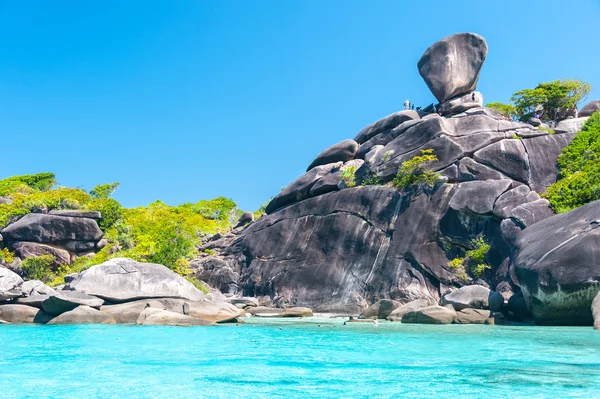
65	301
123	279
572	125
451	66
9	282
83	315
400	311
380	309
340	152
431	315
20	314
28	249
386	124
589	109
474	296
557	264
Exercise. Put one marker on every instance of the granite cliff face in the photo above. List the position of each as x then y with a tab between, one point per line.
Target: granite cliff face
340	249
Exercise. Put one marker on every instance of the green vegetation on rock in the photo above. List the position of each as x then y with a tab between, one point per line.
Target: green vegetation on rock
579	170
348	176
39	268
507	110
412	172
474	260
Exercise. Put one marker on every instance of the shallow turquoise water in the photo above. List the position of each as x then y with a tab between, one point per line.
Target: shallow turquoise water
286	359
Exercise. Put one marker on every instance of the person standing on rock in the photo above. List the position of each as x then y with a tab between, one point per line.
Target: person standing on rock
406	104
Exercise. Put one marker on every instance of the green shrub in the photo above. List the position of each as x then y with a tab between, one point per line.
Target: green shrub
371	179
110	210
348	176
104	190
27	183
412	172
6	256
546	129
39	268
507	110
474	260
579	170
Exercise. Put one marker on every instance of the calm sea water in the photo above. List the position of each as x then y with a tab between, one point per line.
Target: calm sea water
287	359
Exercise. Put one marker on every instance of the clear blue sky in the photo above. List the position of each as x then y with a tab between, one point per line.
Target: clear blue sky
189	100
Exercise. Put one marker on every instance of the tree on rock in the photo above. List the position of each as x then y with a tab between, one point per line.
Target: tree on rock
104	190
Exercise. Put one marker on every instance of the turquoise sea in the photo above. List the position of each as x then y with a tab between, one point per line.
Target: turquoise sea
283	358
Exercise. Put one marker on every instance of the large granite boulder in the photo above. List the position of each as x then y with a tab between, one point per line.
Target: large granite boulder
431	315
557	264
9	280
474	296
83	315
389	122
65	301
36	287
596	311
473	316
589	109
151	316
129	312
77	214
340	152
451	66
26	250
19	314
264	311
572	125
123	279
380	309
400	311
52	229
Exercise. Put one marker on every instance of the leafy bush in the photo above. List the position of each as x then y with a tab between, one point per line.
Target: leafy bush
6	256
27	183
104	190
371	179
412	172
39	268
507	110
474	260
110	210
348	176
579	170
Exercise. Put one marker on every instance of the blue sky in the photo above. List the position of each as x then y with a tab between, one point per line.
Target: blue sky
189	100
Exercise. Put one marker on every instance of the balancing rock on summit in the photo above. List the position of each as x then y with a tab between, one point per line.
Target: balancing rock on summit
451	66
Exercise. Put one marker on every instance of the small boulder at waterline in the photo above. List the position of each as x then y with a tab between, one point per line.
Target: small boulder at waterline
430	315
19	314
474	296
380	309
151	316
83	315
65	301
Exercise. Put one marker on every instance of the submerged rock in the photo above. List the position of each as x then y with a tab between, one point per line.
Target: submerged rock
123	279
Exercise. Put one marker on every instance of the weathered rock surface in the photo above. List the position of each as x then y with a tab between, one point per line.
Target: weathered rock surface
451	66
558	266
473	316
158	317
83	315
26	250
52	229
36	287
400	311
9	280
589	109
570	125
19	314
264	311
77	214
380	309
122	279
430	315
596	311
340	152
387	123
461	103
65	301
474	296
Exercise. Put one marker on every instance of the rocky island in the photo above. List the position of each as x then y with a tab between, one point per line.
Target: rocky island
435	215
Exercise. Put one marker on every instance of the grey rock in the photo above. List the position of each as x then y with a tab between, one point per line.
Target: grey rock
216	272
158	317
20	314
508	157
570	125
101	244
5	200
340	152
77	214
246	301
534	122
430	315
380	139
451	66
532	212
123	279
70	277
65	301
478	196
400	311
80	247
247	217
262	311
387	123
512	199
9	280
49	229
589	109
300	188
557	264
474	296
35	287
543	151
473	316
461	103
83	315
380	309
26	250
33	300
517	308
469	170
596	311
